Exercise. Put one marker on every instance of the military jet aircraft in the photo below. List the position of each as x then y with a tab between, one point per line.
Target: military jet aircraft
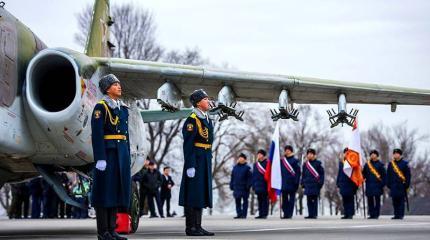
47	96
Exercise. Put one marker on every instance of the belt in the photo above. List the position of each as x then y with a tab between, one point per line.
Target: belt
115	137
203	145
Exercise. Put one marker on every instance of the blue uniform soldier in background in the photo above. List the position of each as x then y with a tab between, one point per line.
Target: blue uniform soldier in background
398	181
112	181
290	170
240	184
375	177
196	185
347	189
259	184
312	181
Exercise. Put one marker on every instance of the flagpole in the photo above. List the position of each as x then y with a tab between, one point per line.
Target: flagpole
364	201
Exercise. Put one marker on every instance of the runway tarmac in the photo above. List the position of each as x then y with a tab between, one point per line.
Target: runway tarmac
225	227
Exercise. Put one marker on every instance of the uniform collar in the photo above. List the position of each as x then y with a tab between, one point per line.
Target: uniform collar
114	103
200	114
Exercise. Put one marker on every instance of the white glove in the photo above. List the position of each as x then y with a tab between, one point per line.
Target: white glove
101	165
191	172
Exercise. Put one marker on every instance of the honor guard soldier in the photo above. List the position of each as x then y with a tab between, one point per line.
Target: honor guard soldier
240	184
398	181
375	177
347	189
312	181
111	177
290	170
196	185
259	184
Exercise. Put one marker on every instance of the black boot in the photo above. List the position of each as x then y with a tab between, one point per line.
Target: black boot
199	213
116	236
190	223
105	236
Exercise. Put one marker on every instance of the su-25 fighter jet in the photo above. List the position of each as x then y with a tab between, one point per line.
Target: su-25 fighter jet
47	96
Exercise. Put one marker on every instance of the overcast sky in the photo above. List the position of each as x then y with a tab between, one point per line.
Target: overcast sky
384	42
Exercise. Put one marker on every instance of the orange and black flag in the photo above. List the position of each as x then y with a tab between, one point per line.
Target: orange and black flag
352	164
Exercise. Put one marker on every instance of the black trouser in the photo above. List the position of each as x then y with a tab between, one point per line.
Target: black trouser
374	205
193	218
106	220
288	201
399	206
20	206
242	206
167	200
348	205
151	197
36	202
312	201
263	204
142	198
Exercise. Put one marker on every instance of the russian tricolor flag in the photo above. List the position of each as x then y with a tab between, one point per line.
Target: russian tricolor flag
273	168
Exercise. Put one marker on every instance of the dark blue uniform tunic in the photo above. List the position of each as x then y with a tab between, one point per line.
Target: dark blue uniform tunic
259	185
398	188
240	184
111	187
290	184
196	192
347	189
312	186
374	187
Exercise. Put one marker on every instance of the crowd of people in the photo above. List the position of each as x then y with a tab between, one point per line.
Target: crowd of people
37	199
310	175
155	189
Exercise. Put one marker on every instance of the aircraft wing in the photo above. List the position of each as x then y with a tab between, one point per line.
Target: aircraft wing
159	115
142	79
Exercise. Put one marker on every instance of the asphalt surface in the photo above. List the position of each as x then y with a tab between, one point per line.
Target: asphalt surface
225	227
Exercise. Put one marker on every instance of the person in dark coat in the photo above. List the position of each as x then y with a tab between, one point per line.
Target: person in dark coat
49	200
347	189
196	185
20	201
259	184
36	191
290	171
166	190
398	181
151	180
375	176
312	181
240	184
142	190
111	148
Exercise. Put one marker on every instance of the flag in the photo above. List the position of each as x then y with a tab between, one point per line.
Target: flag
273	168
352	163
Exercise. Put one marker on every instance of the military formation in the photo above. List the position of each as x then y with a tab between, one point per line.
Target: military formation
310	176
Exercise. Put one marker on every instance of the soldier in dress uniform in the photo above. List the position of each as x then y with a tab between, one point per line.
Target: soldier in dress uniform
312	181
259	184
110	139
375	177
290	170
398	181
347	189
240	184
196	185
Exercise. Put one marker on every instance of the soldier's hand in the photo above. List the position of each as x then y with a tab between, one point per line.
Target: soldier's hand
101	165
191	172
